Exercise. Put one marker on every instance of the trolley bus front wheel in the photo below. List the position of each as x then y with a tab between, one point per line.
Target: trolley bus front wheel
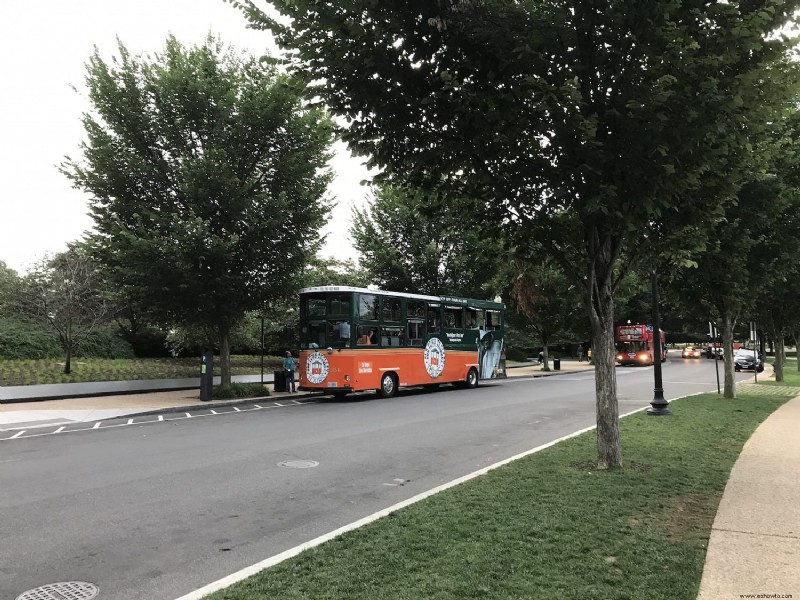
472	378
388	385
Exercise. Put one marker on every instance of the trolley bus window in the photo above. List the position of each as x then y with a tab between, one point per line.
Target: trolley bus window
492	319
391	310
474	318
453	317
339	334
415	309
316	334
340	304
368	307
416	333
315	307
434	318
393	336
367	336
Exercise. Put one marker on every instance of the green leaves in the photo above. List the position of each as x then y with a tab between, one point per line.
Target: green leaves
208	177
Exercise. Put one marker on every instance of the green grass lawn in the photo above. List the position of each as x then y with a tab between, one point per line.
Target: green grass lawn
547	526
791	376
27	372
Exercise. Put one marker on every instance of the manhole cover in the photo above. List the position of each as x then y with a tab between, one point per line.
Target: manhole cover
65	590
299	464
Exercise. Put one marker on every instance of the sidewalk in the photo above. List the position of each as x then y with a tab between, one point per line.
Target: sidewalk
94	407
754	549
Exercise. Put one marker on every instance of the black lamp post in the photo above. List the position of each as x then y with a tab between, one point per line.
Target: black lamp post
658	405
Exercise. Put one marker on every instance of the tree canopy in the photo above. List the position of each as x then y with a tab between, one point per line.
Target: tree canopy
588	127
410	242
63	292
207	173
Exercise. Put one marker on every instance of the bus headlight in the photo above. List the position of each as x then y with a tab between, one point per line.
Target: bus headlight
644	357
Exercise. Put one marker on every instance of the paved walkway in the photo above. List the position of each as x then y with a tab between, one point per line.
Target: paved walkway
754	550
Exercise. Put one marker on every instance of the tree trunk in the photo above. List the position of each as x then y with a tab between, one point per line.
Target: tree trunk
225	354
780	357
68	348
68	359
797	349
601	317
546	353
728	323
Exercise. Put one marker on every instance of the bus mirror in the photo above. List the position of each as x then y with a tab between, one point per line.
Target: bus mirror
330	350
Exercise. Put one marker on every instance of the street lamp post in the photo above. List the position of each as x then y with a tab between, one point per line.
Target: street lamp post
658	405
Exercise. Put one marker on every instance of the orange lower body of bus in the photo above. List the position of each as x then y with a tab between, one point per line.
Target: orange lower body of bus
342	371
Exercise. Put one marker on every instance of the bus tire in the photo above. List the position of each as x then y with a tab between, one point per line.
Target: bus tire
472	378
339	395
388	385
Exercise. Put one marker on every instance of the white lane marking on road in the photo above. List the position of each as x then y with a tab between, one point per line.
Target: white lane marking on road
59	430
98	424
278	558
258	406
276	404
237	409
296	402
213	412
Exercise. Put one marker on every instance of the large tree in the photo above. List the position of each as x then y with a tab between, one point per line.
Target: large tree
586	126
410	241
207	173
744	256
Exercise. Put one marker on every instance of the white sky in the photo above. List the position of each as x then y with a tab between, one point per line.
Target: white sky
44	45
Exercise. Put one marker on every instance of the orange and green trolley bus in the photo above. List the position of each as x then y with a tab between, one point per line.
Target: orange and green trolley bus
354	339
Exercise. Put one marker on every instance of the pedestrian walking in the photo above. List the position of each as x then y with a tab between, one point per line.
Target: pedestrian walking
288	369
580	353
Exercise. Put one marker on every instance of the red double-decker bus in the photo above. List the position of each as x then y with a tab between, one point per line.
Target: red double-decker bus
635	345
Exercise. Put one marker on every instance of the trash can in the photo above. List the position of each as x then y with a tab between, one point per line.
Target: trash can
280	381
556	364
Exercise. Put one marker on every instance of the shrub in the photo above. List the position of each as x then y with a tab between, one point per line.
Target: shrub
103	342
25	340
239	390
516	354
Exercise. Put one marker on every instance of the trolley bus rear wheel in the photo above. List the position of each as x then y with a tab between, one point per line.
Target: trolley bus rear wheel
388	385
472	378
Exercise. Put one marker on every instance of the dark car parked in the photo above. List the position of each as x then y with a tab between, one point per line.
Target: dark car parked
748	360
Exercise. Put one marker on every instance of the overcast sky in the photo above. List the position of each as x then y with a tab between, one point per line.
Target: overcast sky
44	45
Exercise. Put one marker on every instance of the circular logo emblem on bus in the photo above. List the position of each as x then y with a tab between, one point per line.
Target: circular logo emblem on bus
317	368
434	357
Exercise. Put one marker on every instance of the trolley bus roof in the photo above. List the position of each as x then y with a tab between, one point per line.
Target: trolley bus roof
326	289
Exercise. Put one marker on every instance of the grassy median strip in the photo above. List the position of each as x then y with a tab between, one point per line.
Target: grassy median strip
28	372
547	526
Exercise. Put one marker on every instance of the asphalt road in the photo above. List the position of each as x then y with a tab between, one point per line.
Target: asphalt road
156	511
